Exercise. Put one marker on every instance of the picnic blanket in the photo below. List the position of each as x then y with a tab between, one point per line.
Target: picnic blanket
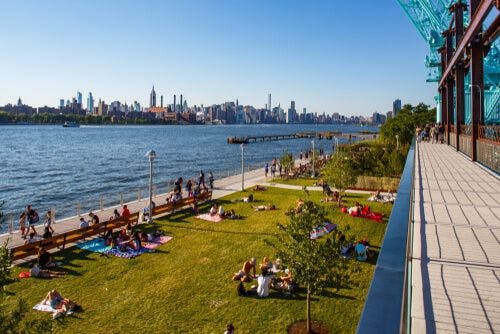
322	230
210	218
99	246
44	308
365	213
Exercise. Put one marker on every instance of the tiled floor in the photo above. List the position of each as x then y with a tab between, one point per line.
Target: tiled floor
456	244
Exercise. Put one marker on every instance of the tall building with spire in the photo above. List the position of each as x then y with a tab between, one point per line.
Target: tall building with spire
152	98
90	103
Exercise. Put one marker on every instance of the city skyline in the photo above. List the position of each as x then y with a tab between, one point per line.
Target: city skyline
292	50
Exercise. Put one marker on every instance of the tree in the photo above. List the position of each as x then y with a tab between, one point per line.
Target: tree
315	264
340	171
286	161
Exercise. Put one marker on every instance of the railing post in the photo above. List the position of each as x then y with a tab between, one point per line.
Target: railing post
121	199
78	208
11	223
138	194
101	202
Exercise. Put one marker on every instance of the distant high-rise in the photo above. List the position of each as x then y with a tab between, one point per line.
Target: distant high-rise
90	103
175	103
396	107
180	104
292	105
19	102
61	103
269	107
152	98
79	98
161	101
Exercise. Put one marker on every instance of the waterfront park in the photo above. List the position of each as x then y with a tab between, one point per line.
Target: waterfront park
394	229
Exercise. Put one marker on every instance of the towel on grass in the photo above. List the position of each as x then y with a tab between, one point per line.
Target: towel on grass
99	246
322	230
44	308
210	218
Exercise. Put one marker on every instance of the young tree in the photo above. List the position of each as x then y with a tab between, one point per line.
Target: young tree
340	171
314	264
286	161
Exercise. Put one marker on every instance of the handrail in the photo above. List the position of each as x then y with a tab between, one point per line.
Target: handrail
385	308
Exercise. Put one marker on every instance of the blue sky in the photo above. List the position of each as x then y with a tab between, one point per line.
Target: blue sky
351	57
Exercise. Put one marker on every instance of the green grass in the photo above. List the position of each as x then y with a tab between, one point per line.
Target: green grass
299	181
186	285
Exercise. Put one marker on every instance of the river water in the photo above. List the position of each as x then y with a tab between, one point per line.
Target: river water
56	167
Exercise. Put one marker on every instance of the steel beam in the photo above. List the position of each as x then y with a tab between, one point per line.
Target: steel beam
458	14
475	24
477	91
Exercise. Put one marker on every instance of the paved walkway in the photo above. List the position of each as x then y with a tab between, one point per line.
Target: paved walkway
456	245
222	187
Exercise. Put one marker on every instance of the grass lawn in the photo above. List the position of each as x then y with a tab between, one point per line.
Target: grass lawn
186	286
299	181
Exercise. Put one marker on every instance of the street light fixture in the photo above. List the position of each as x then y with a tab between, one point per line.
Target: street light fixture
242	169
151	155
313	174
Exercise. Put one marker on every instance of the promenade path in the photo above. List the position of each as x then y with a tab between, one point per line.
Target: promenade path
456	244
222	187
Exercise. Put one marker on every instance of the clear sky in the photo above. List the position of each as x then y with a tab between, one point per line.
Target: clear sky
351	57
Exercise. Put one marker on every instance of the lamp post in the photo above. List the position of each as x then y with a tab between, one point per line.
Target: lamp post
336	143
242	169
313	174
397	142
151	155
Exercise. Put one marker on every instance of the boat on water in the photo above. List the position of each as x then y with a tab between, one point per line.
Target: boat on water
71	125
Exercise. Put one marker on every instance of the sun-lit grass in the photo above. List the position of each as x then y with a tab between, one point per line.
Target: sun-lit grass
186	285
299	181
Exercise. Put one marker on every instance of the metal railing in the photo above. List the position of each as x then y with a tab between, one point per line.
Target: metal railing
386	308
105	201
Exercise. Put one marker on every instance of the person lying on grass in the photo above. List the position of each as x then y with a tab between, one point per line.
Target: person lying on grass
259	188
63	306
267	207
244	199
37	271
244	274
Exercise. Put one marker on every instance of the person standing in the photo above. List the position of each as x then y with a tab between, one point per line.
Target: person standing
22	225
211	180
201	180
266	169
48	221
125	213
94	219
33	218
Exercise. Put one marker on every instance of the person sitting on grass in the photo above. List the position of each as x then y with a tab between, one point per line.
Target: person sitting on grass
45	259
355	210
264	281
266	264
286	283
129	231
214	209
63	306
36	271
244	274
231	214
259	188
221	212
136	241
267	207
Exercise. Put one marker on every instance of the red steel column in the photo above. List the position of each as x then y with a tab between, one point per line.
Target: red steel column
477	91
458	12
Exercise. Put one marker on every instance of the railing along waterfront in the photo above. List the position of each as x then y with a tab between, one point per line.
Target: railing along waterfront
386	309
102	202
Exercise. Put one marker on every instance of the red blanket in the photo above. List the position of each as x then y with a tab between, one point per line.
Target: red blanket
366	213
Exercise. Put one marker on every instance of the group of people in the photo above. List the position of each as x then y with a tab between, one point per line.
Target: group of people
266	280
192	188
126	238
433	133
31	217
218	210
275	166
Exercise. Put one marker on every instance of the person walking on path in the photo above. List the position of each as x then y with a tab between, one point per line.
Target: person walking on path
201	180
22	225
211	180
49	221
266	169
33	218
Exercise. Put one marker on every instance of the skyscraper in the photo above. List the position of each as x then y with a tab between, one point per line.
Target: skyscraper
90	103
180	104
269	107
396	107
161	101
152	98
79	98
61	103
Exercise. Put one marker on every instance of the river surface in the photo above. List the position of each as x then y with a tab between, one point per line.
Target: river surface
56	167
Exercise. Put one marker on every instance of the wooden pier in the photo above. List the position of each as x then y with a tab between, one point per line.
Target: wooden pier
328	135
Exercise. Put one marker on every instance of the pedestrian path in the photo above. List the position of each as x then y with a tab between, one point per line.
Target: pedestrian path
456	244
222	187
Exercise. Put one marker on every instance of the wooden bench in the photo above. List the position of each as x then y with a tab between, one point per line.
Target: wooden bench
63	239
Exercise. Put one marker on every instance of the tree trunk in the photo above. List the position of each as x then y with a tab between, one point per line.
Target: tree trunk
308	310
